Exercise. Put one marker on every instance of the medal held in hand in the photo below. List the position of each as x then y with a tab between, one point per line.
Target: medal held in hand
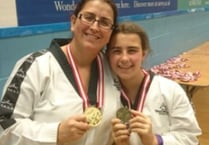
93	115
124	114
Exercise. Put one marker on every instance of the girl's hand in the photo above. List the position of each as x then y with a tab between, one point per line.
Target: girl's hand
120	132
142	125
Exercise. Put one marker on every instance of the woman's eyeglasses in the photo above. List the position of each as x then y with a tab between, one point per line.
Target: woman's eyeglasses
89	19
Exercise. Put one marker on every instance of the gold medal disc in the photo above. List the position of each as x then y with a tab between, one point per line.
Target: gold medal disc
93	115
124	114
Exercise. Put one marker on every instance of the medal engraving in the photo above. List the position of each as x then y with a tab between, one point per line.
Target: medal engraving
124	114
93	115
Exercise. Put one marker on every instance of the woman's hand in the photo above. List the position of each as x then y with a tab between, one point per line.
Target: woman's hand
120	132
72	129
142	125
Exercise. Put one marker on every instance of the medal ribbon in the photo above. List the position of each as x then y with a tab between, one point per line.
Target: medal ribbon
100	83
142	94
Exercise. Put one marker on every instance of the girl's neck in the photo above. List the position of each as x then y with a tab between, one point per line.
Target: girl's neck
131	87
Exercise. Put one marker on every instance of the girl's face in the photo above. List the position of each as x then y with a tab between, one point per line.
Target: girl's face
125	55
92	36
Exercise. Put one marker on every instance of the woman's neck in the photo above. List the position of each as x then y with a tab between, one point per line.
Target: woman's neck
82	56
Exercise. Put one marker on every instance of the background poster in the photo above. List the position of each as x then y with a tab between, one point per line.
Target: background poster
32	12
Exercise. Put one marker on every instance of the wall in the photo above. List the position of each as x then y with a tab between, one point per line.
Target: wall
169	36
173	35
8	8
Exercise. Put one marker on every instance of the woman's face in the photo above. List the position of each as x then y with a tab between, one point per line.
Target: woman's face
125	55
92	36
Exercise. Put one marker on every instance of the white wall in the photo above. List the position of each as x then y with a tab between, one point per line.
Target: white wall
8	16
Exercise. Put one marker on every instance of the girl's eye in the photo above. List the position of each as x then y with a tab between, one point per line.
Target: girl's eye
132	51
115	51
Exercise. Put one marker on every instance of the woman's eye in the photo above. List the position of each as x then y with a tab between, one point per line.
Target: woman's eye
89	18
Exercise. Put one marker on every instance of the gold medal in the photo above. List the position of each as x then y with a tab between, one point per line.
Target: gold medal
93	115
124	114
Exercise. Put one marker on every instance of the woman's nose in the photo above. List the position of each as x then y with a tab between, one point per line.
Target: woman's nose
95	25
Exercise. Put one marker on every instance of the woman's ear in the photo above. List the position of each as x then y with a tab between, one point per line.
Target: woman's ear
72	20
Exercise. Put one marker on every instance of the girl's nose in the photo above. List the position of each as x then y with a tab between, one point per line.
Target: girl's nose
124	57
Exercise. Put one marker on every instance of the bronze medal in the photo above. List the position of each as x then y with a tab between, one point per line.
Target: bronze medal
93	115
124	114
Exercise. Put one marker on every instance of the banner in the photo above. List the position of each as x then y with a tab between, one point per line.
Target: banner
32	12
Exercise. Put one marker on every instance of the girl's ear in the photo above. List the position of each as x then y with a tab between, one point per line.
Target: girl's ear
144	54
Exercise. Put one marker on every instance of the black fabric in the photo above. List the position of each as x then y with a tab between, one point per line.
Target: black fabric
92	93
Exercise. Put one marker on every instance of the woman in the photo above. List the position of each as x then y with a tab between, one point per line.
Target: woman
159	110
63	95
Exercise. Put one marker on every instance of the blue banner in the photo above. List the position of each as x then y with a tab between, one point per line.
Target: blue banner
31	12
